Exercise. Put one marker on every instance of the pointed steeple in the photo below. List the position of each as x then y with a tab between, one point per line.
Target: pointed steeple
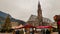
39	8
39	13
39	5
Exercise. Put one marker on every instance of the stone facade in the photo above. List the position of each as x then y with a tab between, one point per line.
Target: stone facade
36	21
14	24
39	14
39	19
33	20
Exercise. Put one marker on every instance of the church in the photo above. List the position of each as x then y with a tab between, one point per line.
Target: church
39	19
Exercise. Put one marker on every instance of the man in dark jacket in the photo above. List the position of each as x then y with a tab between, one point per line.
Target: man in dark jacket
17	32
47	31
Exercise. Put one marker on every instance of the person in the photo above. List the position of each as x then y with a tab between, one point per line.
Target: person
58	22
47	31
32	32
17	32
43	31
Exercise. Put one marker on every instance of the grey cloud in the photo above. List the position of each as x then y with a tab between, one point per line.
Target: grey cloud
22	9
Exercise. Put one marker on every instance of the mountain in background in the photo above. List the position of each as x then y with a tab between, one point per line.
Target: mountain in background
4	15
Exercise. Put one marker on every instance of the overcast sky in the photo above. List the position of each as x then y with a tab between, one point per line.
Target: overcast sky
22	9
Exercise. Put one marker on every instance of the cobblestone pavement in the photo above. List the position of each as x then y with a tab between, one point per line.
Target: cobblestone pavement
6	33
51	33
54	33
35	33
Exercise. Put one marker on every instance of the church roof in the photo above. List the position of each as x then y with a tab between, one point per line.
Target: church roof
34	18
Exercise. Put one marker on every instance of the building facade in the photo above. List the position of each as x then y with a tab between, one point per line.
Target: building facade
36	21
39	11
33	20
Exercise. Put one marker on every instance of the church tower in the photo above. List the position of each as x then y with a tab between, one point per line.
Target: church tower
39	14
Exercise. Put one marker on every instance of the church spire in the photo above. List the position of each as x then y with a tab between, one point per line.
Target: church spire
39	7
39	4
39	13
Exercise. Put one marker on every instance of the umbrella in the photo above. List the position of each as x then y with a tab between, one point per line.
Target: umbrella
17	27
40	27
28	26
48	26
44	27
20	26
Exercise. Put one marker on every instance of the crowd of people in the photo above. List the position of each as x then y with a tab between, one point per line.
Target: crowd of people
32	32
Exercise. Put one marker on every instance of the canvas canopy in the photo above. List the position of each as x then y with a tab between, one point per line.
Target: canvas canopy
28	26
44	27
17	27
